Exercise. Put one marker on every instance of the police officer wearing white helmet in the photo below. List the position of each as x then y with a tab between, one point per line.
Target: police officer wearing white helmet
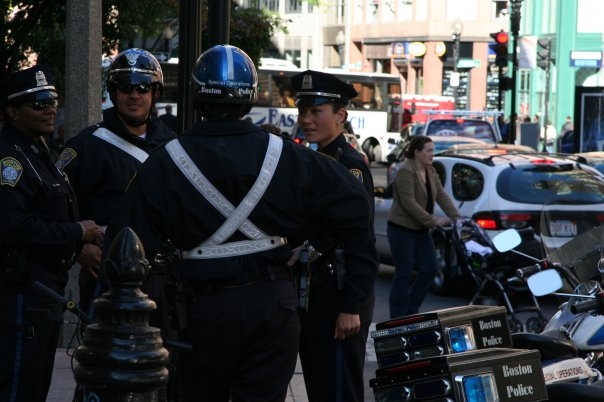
236	201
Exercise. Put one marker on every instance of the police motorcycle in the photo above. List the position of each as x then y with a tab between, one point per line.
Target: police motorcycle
571	344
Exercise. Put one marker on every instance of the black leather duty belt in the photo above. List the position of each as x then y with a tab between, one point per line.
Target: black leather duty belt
213	286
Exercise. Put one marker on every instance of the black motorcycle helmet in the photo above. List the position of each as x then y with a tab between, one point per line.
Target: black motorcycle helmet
227	82
132	67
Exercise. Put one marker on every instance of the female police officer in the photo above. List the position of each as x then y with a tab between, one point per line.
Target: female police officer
39	236
340	308
233	198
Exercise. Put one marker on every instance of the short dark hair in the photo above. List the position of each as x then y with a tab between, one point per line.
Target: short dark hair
417	143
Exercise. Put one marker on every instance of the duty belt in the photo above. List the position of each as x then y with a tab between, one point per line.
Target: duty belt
216	285
214	246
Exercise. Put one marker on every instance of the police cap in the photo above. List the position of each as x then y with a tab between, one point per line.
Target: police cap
34	83
316	88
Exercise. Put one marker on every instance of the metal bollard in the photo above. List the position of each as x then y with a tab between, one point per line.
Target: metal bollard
121	357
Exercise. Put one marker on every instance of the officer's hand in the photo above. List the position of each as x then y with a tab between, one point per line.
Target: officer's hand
346	325
295	256
90	258
92	233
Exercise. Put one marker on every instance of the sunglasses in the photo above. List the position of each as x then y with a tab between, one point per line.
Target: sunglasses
140	88
43	105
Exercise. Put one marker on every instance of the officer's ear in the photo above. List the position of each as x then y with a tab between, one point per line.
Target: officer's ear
342	115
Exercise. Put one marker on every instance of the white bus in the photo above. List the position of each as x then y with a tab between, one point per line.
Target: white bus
375	114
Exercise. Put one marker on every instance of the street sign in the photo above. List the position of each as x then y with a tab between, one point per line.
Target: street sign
454	79
585	59
468	63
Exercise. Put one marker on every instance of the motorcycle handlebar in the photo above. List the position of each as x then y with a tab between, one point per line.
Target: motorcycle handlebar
532	269
585	306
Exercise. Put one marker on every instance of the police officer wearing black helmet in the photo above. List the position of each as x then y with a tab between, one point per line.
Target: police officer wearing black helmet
40	235
102	159
236	200
336	323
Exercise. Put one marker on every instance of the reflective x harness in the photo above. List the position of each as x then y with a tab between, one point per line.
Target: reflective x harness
214	246
121	143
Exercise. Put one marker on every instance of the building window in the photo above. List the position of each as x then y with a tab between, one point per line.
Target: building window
293	6
271	5
459	8
405	10
387	10
500	8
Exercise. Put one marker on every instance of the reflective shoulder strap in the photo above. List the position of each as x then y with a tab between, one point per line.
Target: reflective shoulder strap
251	199
121	143
236	217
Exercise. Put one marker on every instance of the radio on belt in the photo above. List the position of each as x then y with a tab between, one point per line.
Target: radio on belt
440	332
488	375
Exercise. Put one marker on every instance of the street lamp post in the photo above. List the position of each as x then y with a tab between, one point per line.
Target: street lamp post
456	31
515	28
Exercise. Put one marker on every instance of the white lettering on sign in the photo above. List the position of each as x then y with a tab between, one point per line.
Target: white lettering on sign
489	324
519	390
492	341
517	370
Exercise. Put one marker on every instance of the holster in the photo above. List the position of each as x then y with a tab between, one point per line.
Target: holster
178	294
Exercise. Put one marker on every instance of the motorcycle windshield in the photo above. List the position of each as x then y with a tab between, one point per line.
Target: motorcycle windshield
571	223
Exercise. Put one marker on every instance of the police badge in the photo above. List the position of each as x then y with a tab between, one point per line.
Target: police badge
11	171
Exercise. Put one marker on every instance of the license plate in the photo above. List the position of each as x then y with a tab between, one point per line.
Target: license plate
563	228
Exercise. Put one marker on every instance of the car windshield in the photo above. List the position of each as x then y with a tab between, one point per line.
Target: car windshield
478	129
541	183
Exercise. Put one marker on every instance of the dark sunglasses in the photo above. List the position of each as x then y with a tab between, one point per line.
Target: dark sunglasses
43	104
140	88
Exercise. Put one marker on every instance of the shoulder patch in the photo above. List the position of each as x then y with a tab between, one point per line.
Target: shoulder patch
66	156
357	173
11	171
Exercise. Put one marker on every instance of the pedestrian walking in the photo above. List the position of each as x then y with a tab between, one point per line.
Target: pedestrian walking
336	324
40	235
234	199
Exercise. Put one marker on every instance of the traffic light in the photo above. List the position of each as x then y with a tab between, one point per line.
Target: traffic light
544	54
500	47
505	83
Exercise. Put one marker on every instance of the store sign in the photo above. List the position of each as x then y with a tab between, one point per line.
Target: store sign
417	49
440	49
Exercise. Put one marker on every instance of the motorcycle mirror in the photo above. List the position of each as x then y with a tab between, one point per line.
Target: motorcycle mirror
544	282
507	240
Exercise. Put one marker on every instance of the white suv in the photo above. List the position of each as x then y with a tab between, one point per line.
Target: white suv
508	190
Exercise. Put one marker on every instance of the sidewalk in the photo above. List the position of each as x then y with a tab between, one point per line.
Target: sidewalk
63	383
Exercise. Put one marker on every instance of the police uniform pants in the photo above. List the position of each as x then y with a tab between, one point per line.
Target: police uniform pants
245	344
28	341
333	369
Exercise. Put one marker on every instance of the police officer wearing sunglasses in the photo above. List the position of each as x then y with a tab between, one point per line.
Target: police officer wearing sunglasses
102	159
39	235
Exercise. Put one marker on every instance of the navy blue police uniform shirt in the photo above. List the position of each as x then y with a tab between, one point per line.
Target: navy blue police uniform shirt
310	197
342	151
100	178
39	209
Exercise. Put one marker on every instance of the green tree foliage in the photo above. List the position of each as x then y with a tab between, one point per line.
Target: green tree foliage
252	30
37	27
